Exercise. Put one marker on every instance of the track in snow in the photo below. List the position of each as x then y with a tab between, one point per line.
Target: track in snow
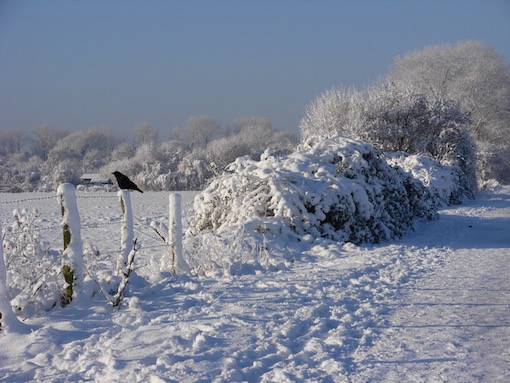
454	324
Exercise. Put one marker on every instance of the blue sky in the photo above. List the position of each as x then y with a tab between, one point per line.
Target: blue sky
78	64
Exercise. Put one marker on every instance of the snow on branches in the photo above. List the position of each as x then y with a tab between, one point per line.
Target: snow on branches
336	188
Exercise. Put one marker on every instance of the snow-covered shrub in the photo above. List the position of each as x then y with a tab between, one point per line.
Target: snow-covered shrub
441	181
8	320
336	188
227	253
34	276
492	163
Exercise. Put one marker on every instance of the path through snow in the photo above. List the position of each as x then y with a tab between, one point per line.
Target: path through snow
453	325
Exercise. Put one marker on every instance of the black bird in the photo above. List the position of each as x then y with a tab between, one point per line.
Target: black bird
124	182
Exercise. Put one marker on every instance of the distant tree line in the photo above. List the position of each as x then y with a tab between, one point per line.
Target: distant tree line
186	160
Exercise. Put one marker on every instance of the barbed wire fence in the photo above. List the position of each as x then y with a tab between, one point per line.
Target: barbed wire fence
156	242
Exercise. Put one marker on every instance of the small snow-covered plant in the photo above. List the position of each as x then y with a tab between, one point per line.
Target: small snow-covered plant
126	272
8	320
226	252
34	276
336	188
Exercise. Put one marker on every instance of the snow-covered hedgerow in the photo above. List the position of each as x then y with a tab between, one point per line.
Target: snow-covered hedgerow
336	188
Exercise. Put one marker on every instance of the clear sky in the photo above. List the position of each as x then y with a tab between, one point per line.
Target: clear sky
78	64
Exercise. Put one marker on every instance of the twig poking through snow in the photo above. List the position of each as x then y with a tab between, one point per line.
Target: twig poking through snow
126	272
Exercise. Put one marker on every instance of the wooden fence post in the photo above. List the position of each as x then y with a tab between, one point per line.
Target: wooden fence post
72	257
175	235
127	232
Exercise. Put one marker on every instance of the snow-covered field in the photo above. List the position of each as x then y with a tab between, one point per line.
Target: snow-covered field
431	307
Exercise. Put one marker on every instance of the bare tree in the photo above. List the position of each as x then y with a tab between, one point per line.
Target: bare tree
199	131
145	135
44	138
11	141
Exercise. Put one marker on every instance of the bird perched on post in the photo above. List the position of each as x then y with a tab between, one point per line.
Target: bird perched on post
124	182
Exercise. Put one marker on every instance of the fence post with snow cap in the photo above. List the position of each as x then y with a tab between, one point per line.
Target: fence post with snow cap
178	263
127	231
72	257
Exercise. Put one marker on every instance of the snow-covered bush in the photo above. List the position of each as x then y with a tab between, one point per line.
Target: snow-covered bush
35	266
492	163
34	276
336	188
227	253
441	181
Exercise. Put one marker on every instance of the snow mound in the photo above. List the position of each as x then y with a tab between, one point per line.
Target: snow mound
338	188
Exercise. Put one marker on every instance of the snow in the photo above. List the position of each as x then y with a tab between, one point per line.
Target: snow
174	257
437	178
72	255
127	236
8	321
430	306
337	188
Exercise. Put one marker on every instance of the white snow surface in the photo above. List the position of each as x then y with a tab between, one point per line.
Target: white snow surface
433	306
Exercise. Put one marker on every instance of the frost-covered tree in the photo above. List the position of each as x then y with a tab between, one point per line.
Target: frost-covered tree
178	164
11	141
78	153
403	120
258	134
479	79
199	131
248	136
492	163
335	111
44	138
243	123
471	73
468	83
397	119
144	134
123	151
20	172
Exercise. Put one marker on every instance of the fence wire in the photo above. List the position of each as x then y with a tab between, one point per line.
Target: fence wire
152	244
25	200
